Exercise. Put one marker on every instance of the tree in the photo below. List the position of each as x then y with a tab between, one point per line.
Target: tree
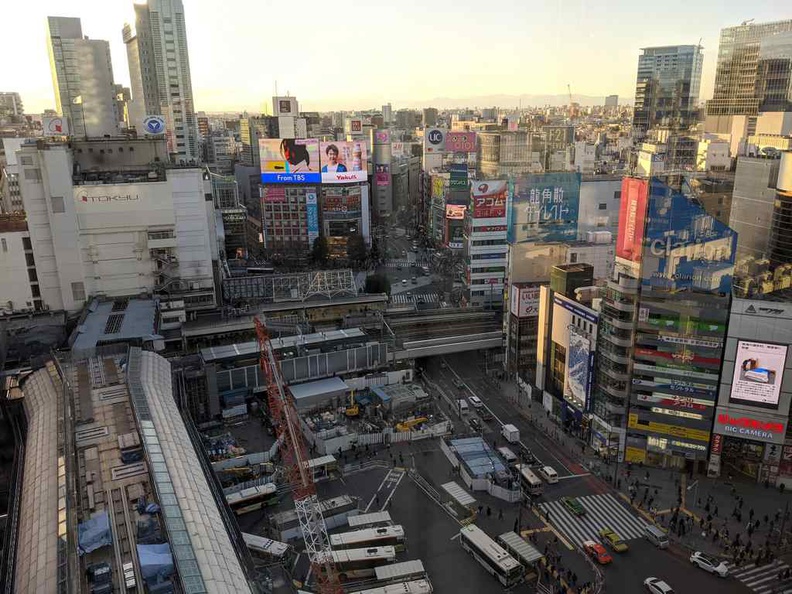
320	252
356	249
378	283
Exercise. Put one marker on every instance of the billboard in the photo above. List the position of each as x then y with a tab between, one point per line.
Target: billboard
545	207
154	124
382	137
455	212
312	214
56	126
397	149
524	301
460	142
769	429
289	160
382	174
758	371
434	140
458	180
438	186
577	379
274	194
343	162
284	106
489	199
685	249
632	216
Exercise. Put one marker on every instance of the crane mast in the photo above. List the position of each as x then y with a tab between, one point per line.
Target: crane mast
294	456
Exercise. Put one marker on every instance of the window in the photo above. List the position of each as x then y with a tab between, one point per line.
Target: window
32	275
29	260
57	204
26	160
33	174
603	206
78	291
35	291
573	258
26	243
3	244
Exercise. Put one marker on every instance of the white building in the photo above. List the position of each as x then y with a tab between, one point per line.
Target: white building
82	77
16	290
585	157
159	72
651	159
600	197
713	154
10	198
126	229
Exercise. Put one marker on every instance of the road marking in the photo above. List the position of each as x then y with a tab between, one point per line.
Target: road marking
391	481
457	535
563	478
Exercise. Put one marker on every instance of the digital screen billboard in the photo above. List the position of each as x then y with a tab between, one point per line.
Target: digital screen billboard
489	199
312	214
382	174
578	368
545	207
343	162
758	371
632	216
460	142
289	160
685	248
455	212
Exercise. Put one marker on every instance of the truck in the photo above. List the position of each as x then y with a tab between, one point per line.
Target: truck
511	433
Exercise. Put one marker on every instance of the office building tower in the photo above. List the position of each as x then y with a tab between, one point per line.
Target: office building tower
752	206
611	101
251	129
667	88
11	108
753	69
429	117
82	77
387	114
159	71
663	328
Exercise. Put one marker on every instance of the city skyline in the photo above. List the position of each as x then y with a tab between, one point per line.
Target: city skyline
410	64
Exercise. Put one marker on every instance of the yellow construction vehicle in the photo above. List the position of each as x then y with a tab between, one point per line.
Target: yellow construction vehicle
352	410
408	425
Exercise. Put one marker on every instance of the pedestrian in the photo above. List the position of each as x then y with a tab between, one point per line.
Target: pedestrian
489	511
480	509
500	513
716	511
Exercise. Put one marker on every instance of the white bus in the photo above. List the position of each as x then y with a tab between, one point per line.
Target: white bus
253	498
266	548
530	483
400	572
369	537
414	587
361	563
491	555
381	518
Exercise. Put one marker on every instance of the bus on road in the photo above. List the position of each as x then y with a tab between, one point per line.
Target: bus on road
369	537
530	483
414	587
490	555
253	498
361	563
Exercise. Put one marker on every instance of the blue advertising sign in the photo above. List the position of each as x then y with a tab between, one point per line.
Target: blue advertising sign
578	372
685	249
545	207
312	214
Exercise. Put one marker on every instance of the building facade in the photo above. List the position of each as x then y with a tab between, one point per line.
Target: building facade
487	249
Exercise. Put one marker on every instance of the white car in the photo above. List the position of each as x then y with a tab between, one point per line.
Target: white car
657	586
476	402
709	563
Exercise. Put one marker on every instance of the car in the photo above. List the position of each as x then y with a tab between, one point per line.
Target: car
404	252
596	551
476	402
404	281
657	586
414	280
573	505
475	424
709	563
613	540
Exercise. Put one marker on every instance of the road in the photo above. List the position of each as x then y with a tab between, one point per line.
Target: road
604	507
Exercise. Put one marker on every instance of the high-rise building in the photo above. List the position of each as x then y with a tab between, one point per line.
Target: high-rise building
429	117
752	206
612	101
82	77
753	71
159	71
11	107
387	114
667	88
663	328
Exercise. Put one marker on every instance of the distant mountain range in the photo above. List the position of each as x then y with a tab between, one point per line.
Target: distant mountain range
508	101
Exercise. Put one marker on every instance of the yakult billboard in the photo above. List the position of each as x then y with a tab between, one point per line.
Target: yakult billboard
343	162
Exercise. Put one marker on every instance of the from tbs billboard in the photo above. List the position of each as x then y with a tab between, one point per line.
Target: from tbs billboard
632	216
758	371
460	142
343	162
545	207
289	160
489	199
685	249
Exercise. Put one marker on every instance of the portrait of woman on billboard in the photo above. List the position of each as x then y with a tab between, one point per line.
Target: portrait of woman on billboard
296	156
331	162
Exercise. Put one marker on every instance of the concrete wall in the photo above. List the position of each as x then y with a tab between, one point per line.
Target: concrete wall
15	292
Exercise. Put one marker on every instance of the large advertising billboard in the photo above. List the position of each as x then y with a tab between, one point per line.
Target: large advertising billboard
489	199
577	379
632	216
343	162
312	214
685	249
460	142
434	140
455	212
758	371
382	174
289	160
524	301
545	207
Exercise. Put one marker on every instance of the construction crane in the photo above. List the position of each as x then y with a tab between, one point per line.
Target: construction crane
299	476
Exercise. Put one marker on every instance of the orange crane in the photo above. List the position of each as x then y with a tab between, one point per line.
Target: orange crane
294	456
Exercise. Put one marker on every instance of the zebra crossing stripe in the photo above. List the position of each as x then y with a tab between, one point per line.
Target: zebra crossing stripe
630	523
762	579
602	511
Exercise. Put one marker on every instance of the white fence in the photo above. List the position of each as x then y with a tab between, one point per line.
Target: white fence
344	442
247	459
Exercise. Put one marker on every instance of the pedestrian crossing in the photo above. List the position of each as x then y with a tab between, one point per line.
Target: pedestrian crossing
763	579
405	299
397	264
602	511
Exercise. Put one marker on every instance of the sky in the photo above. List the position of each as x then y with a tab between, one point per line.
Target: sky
358	55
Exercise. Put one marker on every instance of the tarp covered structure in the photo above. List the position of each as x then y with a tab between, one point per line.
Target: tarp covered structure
94	533
156	562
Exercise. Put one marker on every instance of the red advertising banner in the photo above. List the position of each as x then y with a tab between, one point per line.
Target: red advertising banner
632	217
456	212
489	199
460	142
274	194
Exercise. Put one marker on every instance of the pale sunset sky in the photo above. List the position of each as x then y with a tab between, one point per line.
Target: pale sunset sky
355	55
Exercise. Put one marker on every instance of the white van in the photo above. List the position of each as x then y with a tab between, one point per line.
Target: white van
463	406
508	455
476	402
656	536
548	474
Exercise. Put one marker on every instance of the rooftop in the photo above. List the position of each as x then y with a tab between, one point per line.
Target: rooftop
120	320
329	385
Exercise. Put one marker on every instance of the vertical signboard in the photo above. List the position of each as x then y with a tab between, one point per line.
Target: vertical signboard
632	216
545	207
578	368
382	174
434	140
489	199
524	301
758	371
312	214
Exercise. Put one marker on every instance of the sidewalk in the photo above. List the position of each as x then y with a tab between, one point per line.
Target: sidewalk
725	506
